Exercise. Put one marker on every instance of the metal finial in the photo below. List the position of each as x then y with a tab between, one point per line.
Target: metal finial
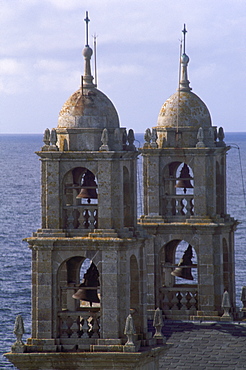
184	32
87	20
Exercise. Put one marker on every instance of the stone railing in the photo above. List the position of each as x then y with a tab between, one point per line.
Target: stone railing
81	216
178	205
179	300
84	323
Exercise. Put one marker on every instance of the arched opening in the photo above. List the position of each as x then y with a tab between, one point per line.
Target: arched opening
80	200
177	192
78	315
134	292
178	278
184	180
185	255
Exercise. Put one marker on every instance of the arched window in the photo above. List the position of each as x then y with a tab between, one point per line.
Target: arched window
177	199
185	255
80	200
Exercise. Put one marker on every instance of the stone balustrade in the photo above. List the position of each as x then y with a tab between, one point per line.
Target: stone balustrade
81	216
178	205
179	300
84	323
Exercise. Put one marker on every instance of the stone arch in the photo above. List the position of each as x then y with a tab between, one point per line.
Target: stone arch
74	316
69	277
176	298
169	256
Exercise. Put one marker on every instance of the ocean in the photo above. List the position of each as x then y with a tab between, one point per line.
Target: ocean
20	216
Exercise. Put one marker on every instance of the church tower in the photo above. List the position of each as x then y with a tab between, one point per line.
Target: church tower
88	258
88	215
184	174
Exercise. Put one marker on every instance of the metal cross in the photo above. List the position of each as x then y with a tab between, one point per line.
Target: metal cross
87	20
184	32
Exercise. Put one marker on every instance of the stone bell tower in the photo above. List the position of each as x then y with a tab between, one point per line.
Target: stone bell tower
88	258
184	171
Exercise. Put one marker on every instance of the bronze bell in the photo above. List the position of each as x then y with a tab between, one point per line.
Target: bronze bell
184	272
88	188
184	179
88	289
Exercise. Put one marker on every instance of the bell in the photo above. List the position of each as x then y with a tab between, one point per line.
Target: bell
88	188
184	272
88	289
184	179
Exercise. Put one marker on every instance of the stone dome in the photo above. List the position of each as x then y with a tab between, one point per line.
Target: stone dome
92	109
190	112
88	107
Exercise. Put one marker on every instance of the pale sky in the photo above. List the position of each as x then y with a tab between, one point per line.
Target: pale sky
137	57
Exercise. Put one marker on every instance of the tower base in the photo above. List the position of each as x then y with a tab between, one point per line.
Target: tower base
146	360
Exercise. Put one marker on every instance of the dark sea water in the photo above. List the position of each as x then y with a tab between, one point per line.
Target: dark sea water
20	216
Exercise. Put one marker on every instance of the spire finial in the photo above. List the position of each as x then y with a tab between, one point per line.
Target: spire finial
184	32
184	60
87	53
87	20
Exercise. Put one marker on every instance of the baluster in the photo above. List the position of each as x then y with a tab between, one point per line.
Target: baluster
70	218
69	324
179	207
179	297
95	326
86	215
185	210
169	207
95	214
81	218
85	327
192	206
80	326
165	302
74	329
174	302
193	303
63	327
188	297
187	207
91	220
183	302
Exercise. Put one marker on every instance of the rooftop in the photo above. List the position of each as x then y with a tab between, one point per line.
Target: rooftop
205	345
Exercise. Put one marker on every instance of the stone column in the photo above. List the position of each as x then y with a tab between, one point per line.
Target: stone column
109	295
151	185
44	297
206	271
52	195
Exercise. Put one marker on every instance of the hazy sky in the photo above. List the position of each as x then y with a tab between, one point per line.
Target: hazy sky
137	57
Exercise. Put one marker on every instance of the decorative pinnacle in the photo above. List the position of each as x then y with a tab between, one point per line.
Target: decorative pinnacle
184	32
87	20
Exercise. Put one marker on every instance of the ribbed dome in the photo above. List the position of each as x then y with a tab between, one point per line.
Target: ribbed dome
93	109
190	112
